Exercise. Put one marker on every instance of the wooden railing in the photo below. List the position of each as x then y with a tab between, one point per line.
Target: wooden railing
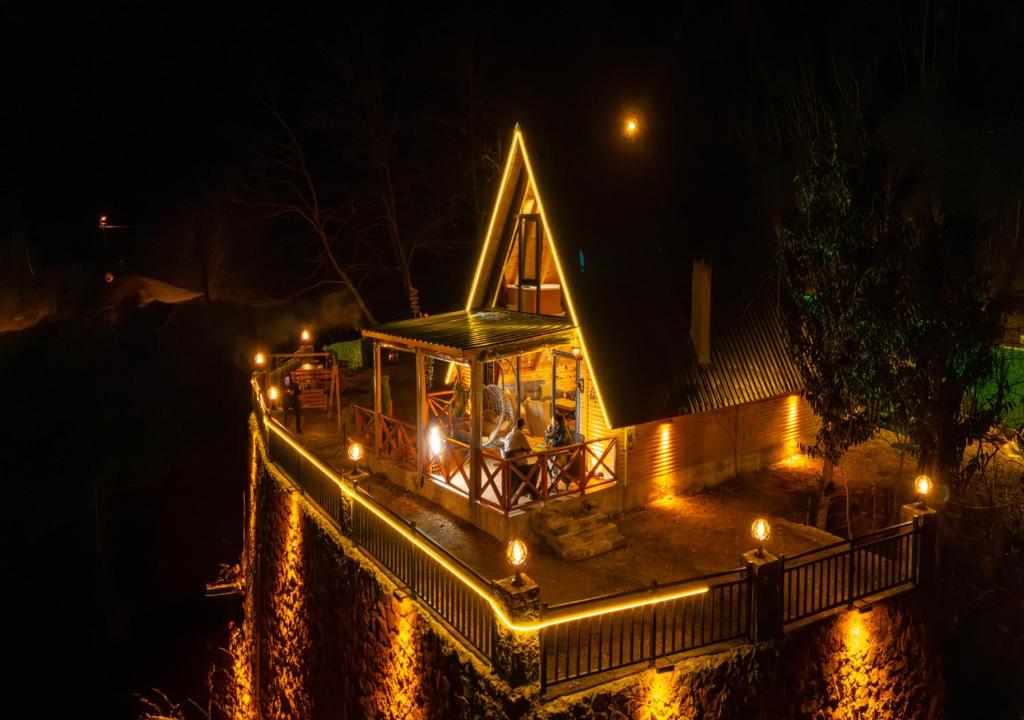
505	484
439	406
546	474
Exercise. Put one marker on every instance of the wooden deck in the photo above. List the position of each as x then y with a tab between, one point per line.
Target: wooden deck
669	540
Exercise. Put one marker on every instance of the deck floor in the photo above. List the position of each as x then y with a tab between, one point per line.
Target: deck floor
671	539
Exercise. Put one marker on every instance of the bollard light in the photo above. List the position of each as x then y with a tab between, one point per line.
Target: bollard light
434	441
306	335
260	359
923	485
355	454
761	531
516	554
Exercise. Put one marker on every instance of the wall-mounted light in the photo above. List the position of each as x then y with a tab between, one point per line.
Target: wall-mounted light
761	531
575	352
516	554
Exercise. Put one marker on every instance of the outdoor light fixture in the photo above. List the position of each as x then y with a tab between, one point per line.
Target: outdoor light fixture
631	126
272	395
576	352
761	531
434	441
306	335
923	485
103	221
355	454
516	553
260	359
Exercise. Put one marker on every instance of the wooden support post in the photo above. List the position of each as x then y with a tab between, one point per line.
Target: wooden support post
766	573
377	392
421	414
476	425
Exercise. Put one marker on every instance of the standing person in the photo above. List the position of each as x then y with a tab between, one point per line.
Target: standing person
291	401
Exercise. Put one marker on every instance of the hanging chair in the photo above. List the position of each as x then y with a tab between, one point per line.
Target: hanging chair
494	399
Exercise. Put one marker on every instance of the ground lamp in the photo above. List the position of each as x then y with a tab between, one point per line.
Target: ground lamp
306	335
761	531
516	553
434	441
260	359
272	395
355	454
923	485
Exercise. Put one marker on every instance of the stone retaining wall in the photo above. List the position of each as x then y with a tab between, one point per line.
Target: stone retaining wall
335	641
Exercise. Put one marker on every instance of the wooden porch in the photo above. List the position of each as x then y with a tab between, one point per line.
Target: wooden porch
468	377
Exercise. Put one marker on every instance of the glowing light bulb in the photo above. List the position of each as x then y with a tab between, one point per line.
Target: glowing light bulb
355	452
260	359
434	440
761	531
306	336
575	352
923	485
516	553
273	394
631	127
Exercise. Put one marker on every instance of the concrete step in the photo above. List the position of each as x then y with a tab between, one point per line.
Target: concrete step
576	530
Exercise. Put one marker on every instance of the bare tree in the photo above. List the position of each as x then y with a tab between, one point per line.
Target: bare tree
289	191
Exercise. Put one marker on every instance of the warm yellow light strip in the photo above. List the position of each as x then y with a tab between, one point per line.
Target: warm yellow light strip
466	580
561	275
494	217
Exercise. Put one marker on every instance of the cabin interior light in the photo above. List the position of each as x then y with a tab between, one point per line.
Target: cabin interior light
761	531
576	352
434	441
923	485
516	554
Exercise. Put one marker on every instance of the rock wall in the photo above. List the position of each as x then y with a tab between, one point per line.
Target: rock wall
335	641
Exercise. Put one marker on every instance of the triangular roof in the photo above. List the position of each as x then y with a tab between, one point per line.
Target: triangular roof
615	233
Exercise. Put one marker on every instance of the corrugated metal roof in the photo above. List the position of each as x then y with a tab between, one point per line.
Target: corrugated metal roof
466	333
749	362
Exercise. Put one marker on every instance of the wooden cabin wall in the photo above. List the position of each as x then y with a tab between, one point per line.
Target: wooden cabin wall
693	451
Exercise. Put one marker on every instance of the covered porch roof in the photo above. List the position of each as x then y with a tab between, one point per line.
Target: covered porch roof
465	334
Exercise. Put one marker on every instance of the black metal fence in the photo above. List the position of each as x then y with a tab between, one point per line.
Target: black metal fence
592	644
376	529
836	575
586	637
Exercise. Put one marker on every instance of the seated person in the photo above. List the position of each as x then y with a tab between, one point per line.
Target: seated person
515	445
557	433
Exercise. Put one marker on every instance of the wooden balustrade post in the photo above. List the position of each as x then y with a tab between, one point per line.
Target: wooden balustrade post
377	396
421	414
476	425
766	576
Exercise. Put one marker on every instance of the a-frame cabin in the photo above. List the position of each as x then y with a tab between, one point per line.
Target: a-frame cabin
652	406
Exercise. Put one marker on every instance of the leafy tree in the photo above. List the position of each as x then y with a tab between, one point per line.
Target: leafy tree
835	279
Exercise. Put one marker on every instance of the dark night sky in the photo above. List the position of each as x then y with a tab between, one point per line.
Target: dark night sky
142	110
